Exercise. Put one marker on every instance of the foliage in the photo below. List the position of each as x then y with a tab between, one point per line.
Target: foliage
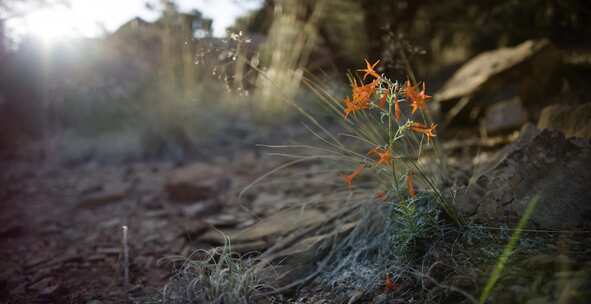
220	277
502	261
396	132
413	224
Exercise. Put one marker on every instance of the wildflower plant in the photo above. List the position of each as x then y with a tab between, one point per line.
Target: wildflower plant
397	137
390	119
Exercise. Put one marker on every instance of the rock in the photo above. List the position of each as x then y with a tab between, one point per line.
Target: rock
151	201
200	209
300	259
42	284
463	282
356	297
223	220
572	120
110	223
524	71
193	229
482	70
381	299
196	182
49	290
108	193
539	300
539	162
108	250
11	231
268	202
505	116
550	263
279	224
254	246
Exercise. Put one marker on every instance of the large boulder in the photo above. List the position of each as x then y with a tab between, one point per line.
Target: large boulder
490	69
572	120
540	162
522	72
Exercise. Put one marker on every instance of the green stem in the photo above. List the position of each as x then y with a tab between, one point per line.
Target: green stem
390	144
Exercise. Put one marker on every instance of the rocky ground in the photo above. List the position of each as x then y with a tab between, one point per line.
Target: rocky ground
62	237
62	227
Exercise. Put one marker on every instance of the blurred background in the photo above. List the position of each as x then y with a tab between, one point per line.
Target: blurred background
130	80
147	114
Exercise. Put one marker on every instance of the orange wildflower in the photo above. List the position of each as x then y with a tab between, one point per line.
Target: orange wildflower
362	93
374	151
381	196
383	101
419	100
389	284
350	107
410	185
396	108
427	131
385	158
361	96
411	91
384	155
349	178
369	70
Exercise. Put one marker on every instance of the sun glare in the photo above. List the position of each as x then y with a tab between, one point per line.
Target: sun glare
92	18
52	24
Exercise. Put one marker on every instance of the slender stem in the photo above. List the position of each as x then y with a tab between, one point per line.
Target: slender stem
391	139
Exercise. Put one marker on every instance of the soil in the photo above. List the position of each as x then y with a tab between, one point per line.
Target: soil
60	247
61	231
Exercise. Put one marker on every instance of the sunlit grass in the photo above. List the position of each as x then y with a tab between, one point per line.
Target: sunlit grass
507	251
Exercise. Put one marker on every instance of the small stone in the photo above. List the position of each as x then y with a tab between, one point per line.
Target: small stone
200	208
42	284
96	257
49	290
223	221
108	251
196	182
194	228
11	231
381	299
110	223
357	294
109	193
505	116
157	213
298	260
572	120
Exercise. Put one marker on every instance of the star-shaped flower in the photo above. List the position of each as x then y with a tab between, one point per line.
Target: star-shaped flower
369	70
349	178
427	131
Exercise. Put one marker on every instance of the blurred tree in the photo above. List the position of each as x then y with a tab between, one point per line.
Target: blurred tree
340	29
450	30
466	27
